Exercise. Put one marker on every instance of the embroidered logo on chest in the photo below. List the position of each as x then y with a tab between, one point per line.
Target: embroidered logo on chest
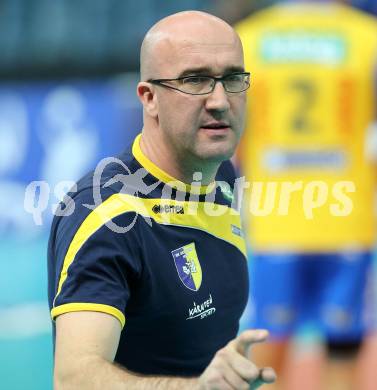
188	266
202	310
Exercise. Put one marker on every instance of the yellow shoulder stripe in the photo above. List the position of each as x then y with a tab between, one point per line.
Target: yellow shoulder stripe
218	220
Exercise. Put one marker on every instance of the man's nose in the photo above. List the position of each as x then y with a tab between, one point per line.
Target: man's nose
218	99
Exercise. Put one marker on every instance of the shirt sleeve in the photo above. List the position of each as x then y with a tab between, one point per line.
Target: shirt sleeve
94	257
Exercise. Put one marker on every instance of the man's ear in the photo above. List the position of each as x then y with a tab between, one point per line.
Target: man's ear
146	93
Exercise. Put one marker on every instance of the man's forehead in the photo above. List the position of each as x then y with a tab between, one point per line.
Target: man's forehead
188	39
192	46
207	57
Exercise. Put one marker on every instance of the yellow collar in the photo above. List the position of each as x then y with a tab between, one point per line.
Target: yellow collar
165	177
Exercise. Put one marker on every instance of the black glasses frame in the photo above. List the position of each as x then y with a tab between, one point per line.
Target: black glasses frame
215	79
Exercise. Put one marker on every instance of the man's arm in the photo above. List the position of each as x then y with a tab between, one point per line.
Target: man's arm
86	344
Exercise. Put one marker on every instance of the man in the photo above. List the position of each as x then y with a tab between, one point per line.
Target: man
178	282
312	226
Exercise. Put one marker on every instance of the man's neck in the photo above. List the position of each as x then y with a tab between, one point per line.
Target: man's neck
165	159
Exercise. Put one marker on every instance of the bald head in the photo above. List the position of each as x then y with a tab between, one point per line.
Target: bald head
169	38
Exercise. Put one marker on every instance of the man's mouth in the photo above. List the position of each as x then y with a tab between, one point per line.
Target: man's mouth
216	126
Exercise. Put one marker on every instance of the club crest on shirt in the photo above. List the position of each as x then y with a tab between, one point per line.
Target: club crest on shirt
188	266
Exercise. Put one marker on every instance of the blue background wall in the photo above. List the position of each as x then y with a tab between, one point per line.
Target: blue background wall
50	132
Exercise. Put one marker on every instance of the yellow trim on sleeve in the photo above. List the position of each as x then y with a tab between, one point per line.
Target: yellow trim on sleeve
164	176
72	307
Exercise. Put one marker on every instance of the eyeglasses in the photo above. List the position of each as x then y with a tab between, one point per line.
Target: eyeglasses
202	85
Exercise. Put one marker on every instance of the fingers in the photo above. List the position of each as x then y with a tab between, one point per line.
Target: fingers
239	372
243	342
245	368
267	375
230	368
215	376
235	381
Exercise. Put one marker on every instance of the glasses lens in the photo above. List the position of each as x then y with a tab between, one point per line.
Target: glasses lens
196	84
236	82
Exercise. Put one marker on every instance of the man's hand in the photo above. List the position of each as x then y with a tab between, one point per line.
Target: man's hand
232	369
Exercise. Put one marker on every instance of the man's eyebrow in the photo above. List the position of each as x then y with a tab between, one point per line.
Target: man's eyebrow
234	69
207	71
193	71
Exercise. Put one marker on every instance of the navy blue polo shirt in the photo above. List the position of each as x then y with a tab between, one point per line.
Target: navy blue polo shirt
165	258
